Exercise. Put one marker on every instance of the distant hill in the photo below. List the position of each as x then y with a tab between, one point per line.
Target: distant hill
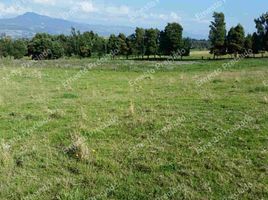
29	24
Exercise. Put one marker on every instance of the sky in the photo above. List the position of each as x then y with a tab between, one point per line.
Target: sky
193	15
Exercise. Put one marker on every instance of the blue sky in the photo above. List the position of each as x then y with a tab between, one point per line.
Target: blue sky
194	15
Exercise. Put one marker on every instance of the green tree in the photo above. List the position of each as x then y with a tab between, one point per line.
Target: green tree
64	42
19	49
6	46
256	43
99	46
236	40
186	47
57	50
74	42
262	31
217	35
151	42
140	41
248	43
173	38
40	46
131	45
162	43
122	42
85	43
113	45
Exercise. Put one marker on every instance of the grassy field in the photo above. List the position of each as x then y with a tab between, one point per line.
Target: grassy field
201	55
133	130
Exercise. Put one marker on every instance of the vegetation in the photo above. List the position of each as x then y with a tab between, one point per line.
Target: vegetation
14	48
236	40
200	44
235	43
144	42
217	35
98	137
106	128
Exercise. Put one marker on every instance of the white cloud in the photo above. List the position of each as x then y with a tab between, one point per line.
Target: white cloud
45	2
175	16
87	6
6	10
166	17
119	10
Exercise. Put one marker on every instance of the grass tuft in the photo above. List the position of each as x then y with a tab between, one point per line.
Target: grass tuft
78	148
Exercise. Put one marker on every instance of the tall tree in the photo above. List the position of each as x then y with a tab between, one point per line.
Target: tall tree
186	47
236	40
6	46
151	42
113	45
122	41
85	43
57	50
217	35
40	46
173	38
131	45
256	43
162	43
74	42
99	46
140	41
64	42
19	49
248	43
262	31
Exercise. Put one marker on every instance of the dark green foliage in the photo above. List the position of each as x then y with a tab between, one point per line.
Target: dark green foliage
14	48
236	40
139	41
6	47
131	45
186	47
64	42
19	49
40	47
99	46
45	46
217	35
162	43
172	36
151	41
200	44
57	50
261	36
122	42
248	43
84	44
256	43
113	45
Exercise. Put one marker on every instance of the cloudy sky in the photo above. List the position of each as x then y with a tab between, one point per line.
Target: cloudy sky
194	15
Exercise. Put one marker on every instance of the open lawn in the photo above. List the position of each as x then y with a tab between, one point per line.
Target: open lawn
133	130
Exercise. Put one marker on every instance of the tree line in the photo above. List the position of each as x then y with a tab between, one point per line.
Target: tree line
142	43
235	42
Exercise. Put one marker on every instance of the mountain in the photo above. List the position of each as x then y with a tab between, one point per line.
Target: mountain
28	24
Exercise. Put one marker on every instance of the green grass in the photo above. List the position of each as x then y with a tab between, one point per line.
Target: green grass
100	138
